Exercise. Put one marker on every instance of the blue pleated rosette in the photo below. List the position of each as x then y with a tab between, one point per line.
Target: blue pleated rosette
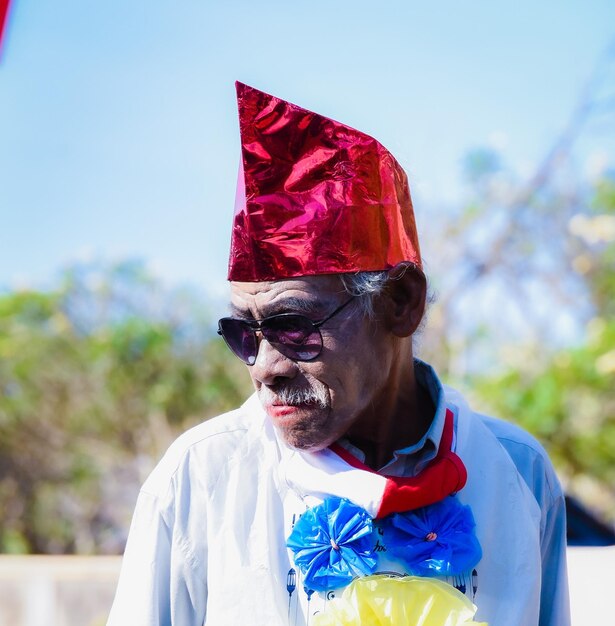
436	540
332	544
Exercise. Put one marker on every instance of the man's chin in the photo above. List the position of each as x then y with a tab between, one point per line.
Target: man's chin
297	425
302	446
302	441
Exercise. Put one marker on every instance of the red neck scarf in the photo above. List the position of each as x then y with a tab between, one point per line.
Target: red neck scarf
444	475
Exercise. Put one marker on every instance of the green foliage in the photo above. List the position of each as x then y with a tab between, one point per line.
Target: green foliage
566	399
96	379
562	392
604	198
100	375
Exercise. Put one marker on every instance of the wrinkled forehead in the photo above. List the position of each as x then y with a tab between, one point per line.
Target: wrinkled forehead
306	294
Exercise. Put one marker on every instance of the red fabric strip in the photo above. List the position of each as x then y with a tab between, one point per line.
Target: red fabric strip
446	441
4	11
441	478
444	475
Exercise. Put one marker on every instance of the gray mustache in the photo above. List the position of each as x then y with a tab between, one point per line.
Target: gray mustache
293	396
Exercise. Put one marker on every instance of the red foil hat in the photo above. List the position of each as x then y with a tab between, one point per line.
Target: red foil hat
314	196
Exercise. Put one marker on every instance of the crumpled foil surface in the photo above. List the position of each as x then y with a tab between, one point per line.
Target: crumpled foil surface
314	196
436	540
331	544
383	601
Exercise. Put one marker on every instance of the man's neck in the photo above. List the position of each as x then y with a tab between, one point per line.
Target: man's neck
401	418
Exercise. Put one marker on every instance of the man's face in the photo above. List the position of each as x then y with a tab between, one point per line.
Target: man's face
314	403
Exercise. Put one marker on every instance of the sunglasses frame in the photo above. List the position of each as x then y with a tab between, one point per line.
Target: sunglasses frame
256	326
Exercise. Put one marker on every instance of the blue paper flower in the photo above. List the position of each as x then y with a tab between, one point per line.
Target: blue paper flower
332	543
436	540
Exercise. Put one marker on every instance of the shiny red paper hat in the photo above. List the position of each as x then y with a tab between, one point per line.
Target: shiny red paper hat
314	196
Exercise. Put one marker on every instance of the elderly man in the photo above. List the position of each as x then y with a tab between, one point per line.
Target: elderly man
351	488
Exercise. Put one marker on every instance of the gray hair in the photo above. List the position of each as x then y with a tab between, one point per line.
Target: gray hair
367	286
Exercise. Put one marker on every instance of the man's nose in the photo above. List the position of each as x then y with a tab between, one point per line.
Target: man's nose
271	366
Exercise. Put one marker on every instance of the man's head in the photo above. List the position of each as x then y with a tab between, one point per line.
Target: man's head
366	347
325	273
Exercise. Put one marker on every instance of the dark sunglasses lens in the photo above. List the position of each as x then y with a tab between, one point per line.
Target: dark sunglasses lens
240	338
295	336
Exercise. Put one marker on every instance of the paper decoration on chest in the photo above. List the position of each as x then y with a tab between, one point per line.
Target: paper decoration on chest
384	601
437	540
332	544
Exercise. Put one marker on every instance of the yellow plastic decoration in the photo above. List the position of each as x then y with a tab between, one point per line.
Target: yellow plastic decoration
383	601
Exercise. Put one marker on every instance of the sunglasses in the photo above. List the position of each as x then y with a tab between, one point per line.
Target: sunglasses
293	335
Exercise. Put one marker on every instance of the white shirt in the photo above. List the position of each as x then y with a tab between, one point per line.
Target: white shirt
207	542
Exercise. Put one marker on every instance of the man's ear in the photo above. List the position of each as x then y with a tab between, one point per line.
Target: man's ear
404	299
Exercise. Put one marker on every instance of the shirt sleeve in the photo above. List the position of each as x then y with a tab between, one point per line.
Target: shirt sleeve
142	595
158	585
554	600
533	464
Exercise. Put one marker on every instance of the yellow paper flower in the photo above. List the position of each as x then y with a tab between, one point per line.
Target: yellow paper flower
384	601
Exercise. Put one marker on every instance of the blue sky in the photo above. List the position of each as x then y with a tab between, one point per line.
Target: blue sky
118	131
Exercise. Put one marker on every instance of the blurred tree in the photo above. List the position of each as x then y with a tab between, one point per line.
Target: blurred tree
525	321
96	379
98	376
566	396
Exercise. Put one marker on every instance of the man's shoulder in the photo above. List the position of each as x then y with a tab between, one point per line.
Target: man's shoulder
511	435
226	427
202	450
528	455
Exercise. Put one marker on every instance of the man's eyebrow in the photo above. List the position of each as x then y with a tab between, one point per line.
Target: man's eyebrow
287	305
239	313
297	305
